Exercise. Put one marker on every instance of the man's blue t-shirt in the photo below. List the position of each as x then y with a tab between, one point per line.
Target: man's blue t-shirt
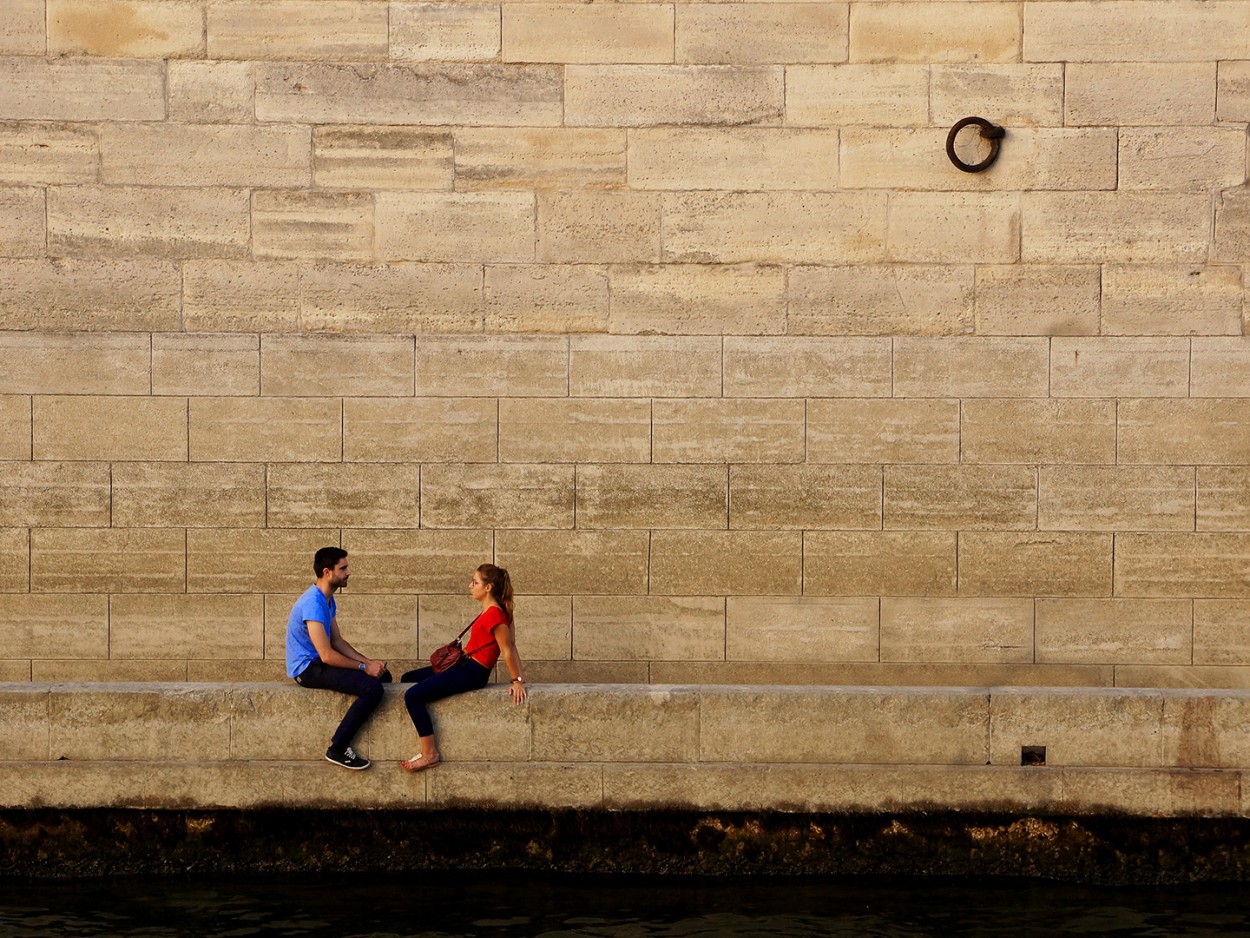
300	651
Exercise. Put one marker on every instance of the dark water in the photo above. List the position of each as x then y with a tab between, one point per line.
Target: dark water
501	905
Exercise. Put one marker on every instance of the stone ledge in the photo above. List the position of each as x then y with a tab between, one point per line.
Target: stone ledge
637	747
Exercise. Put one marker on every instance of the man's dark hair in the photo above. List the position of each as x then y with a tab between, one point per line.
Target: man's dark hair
326	559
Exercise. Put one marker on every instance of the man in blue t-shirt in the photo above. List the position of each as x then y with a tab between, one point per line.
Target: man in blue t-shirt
317	655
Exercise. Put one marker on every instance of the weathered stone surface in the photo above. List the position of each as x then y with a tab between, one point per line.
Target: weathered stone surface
327	495
1172	300
882	431
395	298
77	295
1018	95
537	430
731	430
144	428
1233	94
336	226
296	429
1077	727
22	229
698	299
1201	730
739	563
204	155
965	498
475	226
15	551
540	157
801	629
664	725
456	32
216	626
1119	31
758	33
957	630
24	32
1181	158
1139	94
1039	431
559	298
1119	367
1232	225
806	367
805	497
543	628
739	159
564	562
1116	227
1036	564
185	363
380	626
54	494
56	626
24	723
500	496
1222	632
1220	367
34	154
1223	498
238	295
298	29
678	628
323	366
490	366
74	363
1115	498
382	157
125	29
935	32
1184	432
641	95
566	32
74	89
1197	564
651	496
121	723
1037	299
841	95
419	430
407	561
971	367
1213	677
549	785
211	92
1114	631
920	226
662	366
888	563
252	561
15	414
600	227
902	299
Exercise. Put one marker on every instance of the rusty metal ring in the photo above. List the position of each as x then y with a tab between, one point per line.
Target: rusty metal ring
991	132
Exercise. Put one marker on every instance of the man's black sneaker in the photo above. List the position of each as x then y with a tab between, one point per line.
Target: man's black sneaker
347	758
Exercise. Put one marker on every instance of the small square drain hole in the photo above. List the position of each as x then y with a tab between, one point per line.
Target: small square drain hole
1032	755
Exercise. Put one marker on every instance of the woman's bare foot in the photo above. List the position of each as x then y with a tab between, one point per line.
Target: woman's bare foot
419	763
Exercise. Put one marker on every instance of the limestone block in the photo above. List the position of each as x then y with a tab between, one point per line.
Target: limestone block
74	363
286	721
1115	498
935	32
15	415
95	560
729	430
1036	564
71	89
501	496
33	154
362	366
1014	95
598	227
563	562
382	158
540	430
22	231
775	227
915	158
190	495
1039	431
957	630
445	32
409	561
1199	564
144	428
539	157
491	366
395	298
553	786
126	29
736	563
971	367
1223	498
297	29
211	92
438	94
738	159
1169	299
805	497
882	431
251	560
57	626
1114	631
379	626
842	95
24	724
1184	432
54	494
650	496
1203	730
1078	727
1139	94
329	495
233	670
559	298
15	552
806	367
1163	793
1038	299
619	366
1232	225
186	363
841	725
698	299
97	670
1233	92
23	32
240	429
879	563
1128	227
1120	31
964	498
475	226
902	299
419	430
921	224
241	295
1182	158
313	225
82	294
1221	632
568	32
664	724
128	220
1219	367
543	627
214	626
1115	367
625	628
1183	675
643	95
751	33
804	629
588	672
205	155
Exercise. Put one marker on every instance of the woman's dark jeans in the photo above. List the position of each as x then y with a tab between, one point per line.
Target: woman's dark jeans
367	691
428	687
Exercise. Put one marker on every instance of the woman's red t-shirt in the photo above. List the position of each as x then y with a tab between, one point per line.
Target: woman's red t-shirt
481	644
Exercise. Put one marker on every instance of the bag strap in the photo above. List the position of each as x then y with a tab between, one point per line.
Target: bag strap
493	640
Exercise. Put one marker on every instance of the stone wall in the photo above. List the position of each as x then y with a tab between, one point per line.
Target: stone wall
676	309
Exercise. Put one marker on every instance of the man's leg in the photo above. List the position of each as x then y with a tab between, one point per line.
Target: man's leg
367	691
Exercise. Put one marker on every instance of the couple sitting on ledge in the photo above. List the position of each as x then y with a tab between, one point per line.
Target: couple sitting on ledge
318	656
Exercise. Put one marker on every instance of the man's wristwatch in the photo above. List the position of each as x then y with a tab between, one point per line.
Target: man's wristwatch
360	665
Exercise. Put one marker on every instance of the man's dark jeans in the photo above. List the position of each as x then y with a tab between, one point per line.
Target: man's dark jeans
367	691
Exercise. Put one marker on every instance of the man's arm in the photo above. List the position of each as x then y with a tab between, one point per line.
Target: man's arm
341	645
329	654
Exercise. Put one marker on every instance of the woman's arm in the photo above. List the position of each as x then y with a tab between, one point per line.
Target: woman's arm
511	658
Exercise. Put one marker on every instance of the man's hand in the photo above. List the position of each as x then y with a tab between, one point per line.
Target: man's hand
374	668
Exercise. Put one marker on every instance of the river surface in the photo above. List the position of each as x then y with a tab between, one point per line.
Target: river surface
500	905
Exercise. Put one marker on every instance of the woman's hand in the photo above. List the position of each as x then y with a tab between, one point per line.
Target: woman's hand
517	692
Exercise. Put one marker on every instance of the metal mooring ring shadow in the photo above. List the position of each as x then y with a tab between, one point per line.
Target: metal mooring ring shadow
991	132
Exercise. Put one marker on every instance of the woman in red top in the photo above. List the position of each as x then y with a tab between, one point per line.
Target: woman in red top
489	637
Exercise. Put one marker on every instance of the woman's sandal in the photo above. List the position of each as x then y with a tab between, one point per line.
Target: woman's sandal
419	763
